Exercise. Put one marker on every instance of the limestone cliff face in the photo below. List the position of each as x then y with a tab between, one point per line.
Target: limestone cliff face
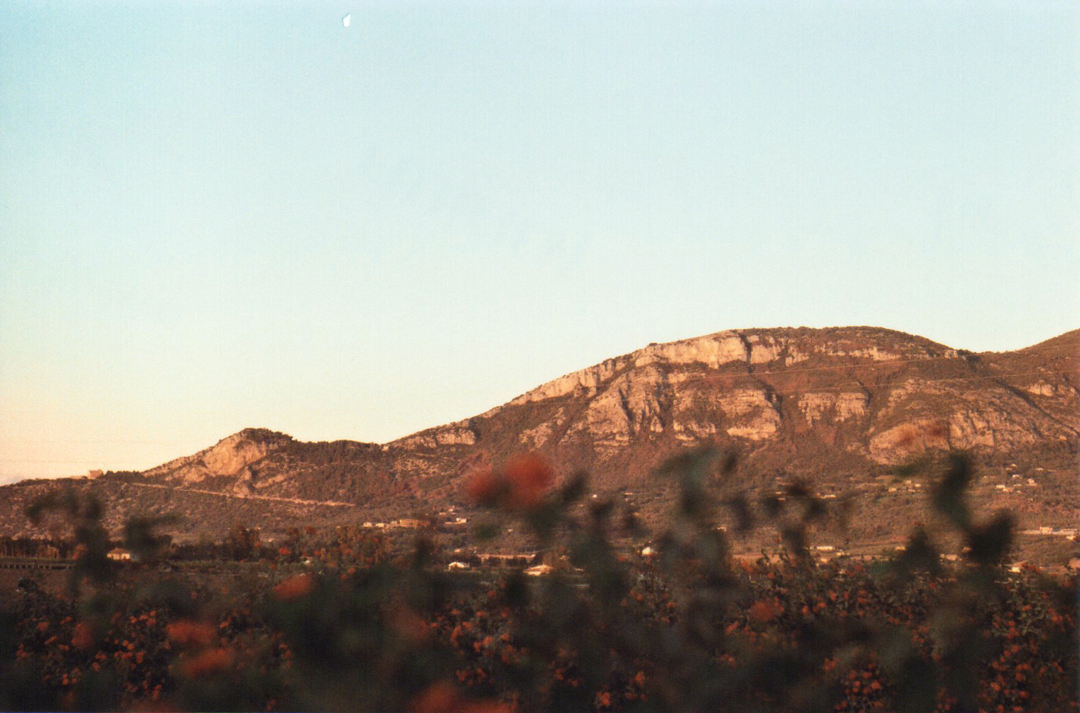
454	434
753	347
943	415
860	395
874	393
633	404
833	405
228	457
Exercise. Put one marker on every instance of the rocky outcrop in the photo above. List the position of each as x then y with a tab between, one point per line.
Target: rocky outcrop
535	438
228	457
712	351
454	434
748	412
833	405
631	405
880	393
579	383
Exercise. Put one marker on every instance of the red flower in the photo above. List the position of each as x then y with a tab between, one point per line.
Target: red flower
529	476
83	638
409	625
295	587
191	633
442	697
520	484
761	612
207	662
483	486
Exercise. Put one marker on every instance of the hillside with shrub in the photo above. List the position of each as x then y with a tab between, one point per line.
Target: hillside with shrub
836	408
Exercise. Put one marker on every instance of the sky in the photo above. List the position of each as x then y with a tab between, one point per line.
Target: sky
225	215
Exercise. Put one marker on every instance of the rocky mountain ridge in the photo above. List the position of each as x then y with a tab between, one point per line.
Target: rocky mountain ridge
831	405
876	393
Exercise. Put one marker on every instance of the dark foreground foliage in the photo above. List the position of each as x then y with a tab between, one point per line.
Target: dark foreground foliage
692	630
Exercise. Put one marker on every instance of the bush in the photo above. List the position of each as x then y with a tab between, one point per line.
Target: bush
695	630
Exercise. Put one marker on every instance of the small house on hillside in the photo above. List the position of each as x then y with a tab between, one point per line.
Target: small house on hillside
119	554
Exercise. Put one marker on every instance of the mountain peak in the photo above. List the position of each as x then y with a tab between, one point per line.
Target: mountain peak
228	457
259	435
747	349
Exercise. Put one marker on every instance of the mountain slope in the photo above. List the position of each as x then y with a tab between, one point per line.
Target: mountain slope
834	405
860	396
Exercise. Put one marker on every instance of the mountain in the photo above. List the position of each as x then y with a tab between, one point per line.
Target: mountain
838	407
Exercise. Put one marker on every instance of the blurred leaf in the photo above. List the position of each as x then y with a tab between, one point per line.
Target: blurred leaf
92	509
98	690
948	495
988	544
140	535
912	468
713	551
692	467
815	509
601	510
21	689
894	646
631	524
423	551
740	509
575	488
917	686
516	592
798	489
919	555
772	505
843	510
486	531
696	460
544	519
961	666
41	505
794	538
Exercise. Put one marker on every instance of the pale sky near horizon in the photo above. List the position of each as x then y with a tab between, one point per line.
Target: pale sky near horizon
222	215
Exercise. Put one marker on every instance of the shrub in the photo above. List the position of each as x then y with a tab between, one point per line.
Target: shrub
696	629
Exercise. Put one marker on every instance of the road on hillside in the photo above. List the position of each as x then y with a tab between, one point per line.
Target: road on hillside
271	498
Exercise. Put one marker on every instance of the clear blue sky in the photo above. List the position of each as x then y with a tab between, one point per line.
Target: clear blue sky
220	215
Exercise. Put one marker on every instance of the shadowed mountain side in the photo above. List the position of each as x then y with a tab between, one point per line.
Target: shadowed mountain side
837	406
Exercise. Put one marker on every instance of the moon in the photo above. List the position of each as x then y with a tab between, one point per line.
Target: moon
346	20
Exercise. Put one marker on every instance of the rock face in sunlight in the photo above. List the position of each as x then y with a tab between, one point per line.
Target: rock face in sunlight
880	395
843	404
454	434
229	457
